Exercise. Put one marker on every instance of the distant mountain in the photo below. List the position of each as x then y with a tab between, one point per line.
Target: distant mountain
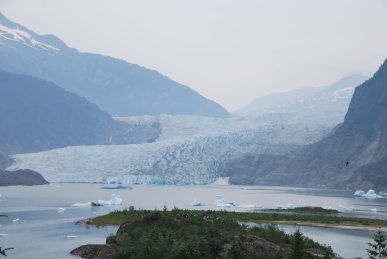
4	161
36	115
116	86
333	99
361	140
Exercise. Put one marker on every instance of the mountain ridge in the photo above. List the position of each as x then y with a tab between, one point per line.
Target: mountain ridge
37	115
361	140
116	86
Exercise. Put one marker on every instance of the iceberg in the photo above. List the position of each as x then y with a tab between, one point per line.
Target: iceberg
383	194
285	207
61	210
220	201
115	200
359	193
197	203
86	204
371	194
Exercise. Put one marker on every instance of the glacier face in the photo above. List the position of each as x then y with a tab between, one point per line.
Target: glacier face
189	150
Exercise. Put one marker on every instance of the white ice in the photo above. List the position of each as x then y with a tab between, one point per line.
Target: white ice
285	207
197	203
115	200
220	201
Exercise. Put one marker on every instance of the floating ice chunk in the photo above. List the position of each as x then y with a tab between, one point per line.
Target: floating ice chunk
220	201
86	204
359	193
115	200
285	207
383	194
3	235
61	210
372	194
197	203
16	220
72	236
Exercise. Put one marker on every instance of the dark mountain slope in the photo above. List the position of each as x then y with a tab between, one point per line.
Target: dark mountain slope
116	86
4	161
361	140
36	115
21	177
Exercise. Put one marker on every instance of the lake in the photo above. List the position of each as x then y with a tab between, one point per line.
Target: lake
41	219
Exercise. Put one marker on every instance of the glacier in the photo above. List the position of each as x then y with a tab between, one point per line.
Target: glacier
188	152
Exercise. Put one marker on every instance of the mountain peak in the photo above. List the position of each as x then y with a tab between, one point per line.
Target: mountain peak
115	85
13	34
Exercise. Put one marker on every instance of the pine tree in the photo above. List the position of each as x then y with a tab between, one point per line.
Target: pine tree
379	249
298	246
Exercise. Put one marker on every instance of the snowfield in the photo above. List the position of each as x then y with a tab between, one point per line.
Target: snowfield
189	151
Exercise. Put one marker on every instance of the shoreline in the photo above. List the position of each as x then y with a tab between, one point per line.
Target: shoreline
322	225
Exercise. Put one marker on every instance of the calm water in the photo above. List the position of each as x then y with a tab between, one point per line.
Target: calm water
36	229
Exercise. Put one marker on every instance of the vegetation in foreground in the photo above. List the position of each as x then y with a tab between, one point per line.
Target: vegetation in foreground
299	216
196	234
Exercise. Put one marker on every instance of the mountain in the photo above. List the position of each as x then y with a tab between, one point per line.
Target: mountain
37	115
116	86
361	140
21	177
334	98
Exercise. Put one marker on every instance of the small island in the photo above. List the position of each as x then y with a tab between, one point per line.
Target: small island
213	234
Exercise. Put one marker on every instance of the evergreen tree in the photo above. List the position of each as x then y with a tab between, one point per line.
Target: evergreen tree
298	246
379	249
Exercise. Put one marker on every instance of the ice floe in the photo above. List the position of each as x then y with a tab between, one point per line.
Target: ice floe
61	210
115	200
285	207
197	203
220	201
370	194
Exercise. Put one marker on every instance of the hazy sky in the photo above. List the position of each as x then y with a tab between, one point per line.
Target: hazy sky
229	51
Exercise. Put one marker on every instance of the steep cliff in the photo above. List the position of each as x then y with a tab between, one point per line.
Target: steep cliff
361	140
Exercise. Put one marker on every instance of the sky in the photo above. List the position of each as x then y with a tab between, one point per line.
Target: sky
229	51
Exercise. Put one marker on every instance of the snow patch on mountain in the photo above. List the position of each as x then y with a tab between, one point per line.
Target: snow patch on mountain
24	37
